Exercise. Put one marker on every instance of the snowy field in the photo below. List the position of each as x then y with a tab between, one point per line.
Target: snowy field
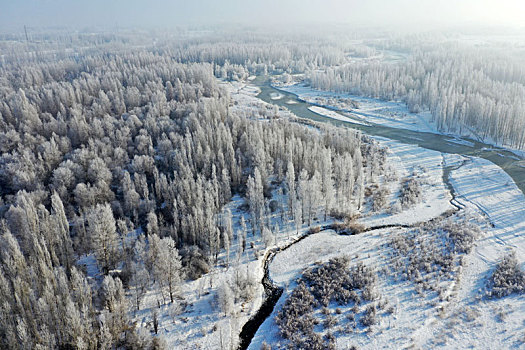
483	186
289	264
407	160
369	248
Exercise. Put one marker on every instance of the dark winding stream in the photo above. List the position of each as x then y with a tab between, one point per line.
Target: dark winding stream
507	160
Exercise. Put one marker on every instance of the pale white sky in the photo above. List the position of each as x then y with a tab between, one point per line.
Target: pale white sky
166	13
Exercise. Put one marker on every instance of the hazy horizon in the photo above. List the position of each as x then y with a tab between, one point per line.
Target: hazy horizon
161	13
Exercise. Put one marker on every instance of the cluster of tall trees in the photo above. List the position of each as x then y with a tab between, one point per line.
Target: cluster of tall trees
465	88
47	302
128	155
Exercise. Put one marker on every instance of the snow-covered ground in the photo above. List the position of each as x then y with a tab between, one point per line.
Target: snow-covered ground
290	263
428	165
276	96
463	320
496	324
369	248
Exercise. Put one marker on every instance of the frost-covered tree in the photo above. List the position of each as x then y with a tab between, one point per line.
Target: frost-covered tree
225	298
168	268
290	188
103	234
255	195
268	237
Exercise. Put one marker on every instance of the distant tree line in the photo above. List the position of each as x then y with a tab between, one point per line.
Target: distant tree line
465	88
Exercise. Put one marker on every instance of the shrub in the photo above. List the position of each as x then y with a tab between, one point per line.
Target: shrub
370	190
433	251
410	192
244	286
274	205
337	214
314	229
462	235
349	227
507	278
355	228
332	281
330	321
338	227
369	317
195	262
380	198
330	339
265	346
295	318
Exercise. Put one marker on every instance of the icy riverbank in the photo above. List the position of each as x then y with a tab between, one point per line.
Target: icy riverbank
394	114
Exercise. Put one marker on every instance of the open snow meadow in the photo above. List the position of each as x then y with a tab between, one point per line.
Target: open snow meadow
223	176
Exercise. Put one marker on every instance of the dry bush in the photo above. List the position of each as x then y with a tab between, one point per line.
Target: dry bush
369	317
314	229
380	198
433	252
507	278
410	192
349	227
331	282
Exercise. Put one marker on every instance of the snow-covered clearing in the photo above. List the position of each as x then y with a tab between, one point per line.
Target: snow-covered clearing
485	187
290	263
411	310
408	160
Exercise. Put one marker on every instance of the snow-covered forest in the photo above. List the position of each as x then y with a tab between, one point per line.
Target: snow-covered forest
129	156
146	188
